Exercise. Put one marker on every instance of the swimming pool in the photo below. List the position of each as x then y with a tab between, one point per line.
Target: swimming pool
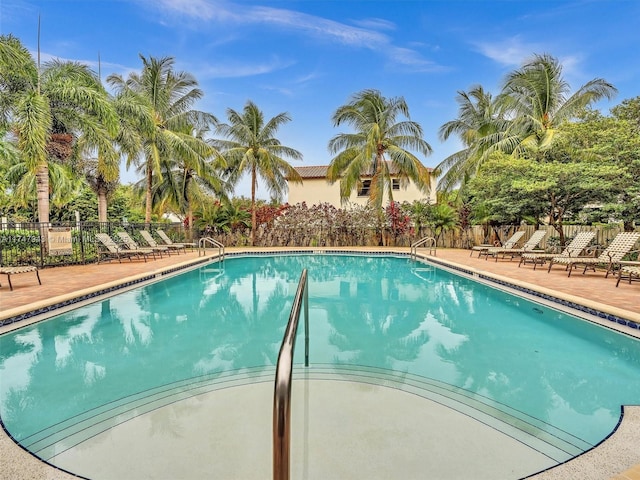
386	318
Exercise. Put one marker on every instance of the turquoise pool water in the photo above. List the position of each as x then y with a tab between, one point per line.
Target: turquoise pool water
388	314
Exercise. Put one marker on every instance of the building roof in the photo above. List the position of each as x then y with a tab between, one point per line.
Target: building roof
320	171
313	172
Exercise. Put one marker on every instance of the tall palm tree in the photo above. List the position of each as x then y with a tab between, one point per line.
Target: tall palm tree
479	122
250	146
526	117
539	101
378	147
192	177
102	172
159	101
48	109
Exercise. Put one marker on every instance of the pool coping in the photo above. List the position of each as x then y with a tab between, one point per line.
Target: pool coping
617	449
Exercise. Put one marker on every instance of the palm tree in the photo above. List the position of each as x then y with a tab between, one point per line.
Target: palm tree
537	97
525	118
22	181
377	147
48	109
250	146
479	122
191	177
159	102
102	173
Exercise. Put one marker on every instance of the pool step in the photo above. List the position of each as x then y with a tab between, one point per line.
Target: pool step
546	439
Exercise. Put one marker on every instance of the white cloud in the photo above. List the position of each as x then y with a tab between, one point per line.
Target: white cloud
231	69
509	52
375	23
410	58
366	35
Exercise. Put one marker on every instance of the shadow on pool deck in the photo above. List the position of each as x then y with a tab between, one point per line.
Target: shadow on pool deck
618	454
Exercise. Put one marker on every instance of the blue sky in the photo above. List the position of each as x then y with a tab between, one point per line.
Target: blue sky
308	57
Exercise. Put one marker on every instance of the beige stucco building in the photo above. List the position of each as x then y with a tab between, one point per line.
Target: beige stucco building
315	189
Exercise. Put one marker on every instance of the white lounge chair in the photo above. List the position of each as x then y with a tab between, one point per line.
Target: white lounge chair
131	244
8	271
617	249
529	246
178	246
574	249
511	243
153	244
630	271
107	248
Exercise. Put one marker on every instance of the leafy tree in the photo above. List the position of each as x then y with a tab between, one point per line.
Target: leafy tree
514	187
84	203
49	108
249	145
418	212
159	104
126	203
623	146
379	146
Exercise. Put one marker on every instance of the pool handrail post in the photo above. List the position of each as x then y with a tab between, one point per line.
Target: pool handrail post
202	248
282	389
432	246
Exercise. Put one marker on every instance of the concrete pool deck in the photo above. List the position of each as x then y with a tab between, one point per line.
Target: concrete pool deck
618	455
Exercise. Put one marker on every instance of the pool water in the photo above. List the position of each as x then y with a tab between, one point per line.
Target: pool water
384	314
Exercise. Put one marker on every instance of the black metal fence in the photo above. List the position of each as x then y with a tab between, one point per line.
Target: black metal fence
71	242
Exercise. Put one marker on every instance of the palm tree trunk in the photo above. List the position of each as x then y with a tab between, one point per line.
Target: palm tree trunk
147	213
42	192
253	206
42	189
102	205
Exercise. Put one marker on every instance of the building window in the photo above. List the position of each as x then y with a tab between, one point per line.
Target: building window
395	183
363	189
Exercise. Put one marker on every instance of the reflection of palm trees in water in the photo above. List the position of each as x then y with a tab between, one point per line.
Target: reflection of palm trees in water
377	323
249	332
61	358
526	362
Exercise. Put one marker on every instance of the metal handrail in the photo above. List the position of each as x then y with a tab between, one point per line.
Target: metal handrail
212	241
282	390
422	241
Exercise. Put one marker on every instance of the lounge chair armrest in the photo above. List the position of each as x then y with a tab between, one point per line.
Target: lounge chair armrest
633	255
592	251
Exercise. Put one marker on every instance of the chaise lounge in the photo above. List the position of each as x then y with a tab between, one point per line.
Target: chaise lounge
8	271
165	238
573	250
511	243
108	248
630	271
529	246
617	249
153	244
131	244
